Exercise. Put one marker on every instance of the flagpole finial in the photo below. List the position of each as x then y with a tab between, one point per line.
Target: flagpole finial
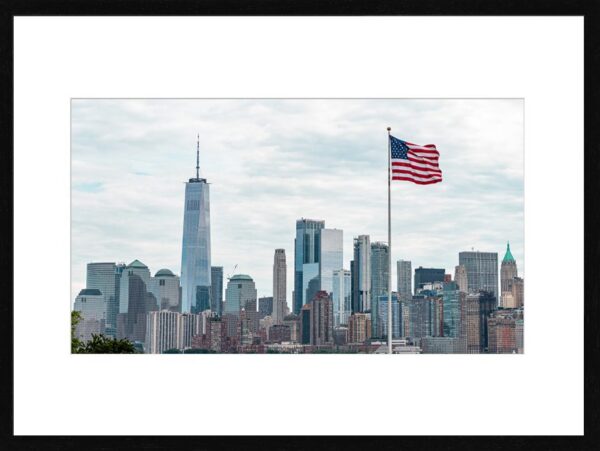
389	129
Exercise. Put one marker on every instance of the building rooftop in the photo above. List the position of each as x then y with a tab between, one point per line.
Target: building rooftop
90	292
164	273
508	257
240	277
136	264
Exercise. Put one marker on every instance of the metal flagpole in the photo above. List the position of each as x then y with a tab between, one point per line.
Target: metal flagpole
389	244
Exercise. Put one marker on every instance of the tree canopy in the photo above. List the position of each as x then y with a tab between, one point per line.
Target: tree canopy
99	344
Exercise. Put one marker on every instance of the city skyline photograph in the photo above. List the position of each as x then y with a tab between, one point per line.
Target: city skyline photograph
257	168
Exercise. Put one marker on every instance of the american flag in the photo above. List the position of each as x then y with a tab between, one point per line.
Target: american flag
415	163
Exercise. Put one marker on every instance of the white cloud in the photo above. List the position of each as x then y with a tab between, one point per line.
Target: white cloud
271	162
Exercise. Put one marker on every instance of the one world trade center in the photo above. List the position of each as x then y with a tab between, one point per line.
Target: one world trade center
195	251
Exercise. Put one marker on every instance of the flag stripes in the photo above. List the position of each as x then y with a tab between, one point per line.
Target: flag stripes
414	163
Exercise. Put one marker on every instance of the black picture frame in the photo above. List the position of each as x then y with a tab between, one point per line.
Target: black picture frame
590	10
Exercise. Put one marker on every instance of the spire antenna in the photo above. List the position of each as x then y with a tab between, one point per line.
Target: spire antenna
198	157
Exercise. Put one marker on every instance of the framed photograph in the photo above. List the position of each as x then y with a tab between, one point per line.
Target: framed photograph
333	214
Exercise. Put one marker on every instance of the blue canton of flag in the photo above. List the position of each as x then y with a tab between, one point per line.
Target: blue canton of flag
399	149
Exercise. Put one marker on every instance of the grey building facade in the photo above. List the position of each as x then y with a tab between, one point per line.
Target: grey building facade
404	279
380	269
482	271
279	302
216	290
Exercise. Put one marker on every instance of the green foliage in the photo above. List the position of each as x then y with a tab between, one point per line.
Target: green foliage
76	343
172	351
100	344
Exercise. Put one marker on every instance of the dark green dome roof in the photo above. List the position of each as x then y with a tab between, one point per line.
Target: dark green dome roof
240	277
164	273
90	292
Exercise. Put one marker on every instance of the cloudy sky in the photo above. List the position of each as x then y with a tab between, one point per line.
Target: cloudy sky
271	162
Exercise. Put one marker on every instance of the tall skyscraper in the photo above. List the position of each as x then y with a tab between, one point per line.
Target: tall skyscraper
380	329
305	323
426	317
279	286
307	245
240	293
331	257
216	289
380	269
425	276
359	328
162	331
404	278
474	314
191	325
508	272
361	274
195	251
518	291
342	297
452	301
135	268
135	301
470	324
165	288
482	271
460	277
105	277
321	323
90	302
101	276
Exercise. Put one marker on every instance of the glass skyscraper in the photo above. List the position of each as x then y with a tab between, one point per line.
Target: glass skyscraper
106	278
342	297
380	269
332	257
452	300
135	268
240	291
379	319
482	271
404	278
310	281
307	247
165	287
135	301
361	274
195	251
90	302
